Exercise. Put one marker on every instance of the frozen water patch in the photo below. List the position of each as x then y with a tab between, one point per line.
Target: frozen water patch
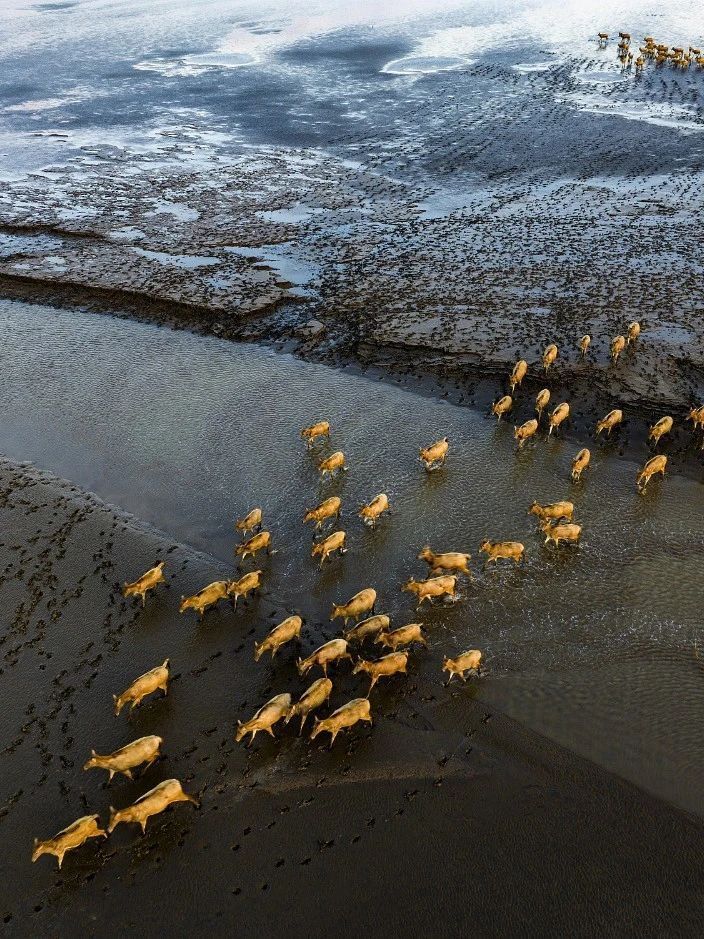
425	64
293	215
528	68
188	261
442	203
41	104
190	65
675	116
178	209
11	245
289	266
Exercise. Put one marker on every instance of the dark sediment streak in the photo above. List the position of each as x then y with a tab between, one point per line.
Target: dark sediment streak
441	819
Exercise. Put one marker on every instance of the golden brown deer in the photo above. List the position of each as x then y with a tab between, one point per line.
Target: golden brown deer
288	629
311	699
328	508
465	662
265	718
346	716
69	838
148	581
156	679
391	664
151	803
502	406
127	758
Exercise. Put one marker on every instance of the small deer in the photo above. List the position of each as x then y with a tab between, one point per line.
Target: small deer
265	718
660	428
433	588
288	629
324	655
559	531
502	549
368	627
312	433
580	463
371	513
518	374
553	510
446	561
333	465
311	699
329	508
525	432
151	803
155	679
465	662
549	356
435	455
655	464
148	581
346	716
262	540
205	598
542	400
69	838
387	665
403	636
324	548
617	346
584	344
559	414
127	758
244	586
251	522
502	406
361	603
610	421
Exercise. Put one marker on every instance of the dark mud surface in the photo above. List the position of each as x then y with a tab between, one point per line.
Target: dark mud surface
444	817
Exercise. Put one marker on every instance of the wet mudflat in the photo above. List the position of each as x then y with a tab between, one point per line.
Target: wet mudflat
597	647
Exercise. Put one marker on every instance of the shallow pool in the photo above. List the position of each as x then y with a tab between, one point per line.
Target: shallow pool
599	647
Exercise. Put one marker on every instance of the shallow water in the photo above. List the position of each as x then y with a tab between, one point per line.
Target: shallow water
597	647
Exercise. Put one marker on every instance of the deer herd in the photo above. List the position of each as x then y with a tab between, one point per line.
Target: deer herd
652	51
555	521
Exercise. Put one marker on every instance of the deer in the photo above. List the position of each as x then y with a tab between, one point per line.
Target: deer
584	344
311	699
288	629
465	662
549	356
503	549
580	463
361	603
324	548
559	414
403	636
542	400
502	406
372	512
561	531
346	716
156	679
610	421
333	465
655	464
391	664
76	834
433	588
145	750
445	561
617	346
435	455
368	627
151	803
518	374
328	508
312	433
205	598
525	432
324	655
262	540
634	330
251	522
553	510
266	717
148	581
244	586
660	428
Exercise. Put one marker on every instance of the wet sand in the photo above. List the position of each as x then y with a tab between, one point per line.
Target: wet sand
443	817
